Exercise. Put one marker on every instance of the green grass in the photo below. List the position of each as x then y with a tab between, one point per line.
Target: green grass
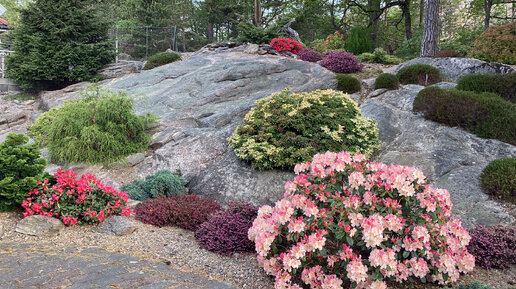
21	96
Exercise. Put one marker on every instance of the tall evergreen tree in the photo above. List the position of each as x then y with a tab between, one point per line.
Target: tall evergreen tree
58	42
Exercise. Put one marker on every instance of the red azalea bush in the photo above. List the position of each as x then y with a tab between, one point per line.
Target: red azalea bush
493	247
341	62
344	221
225	232
448	53
310	55
85	200
286	44
185	211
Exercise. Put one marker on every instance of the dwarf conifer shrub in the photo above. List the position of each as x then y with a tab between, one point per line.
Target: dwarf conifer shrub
387	80
379	56
85	200
341	62
486	115
347	83
496	44
422	74
286	128
493	247
100	128
358	40
225	232
499	179
501	84
20	170
160	59
310	55
162	183
347	223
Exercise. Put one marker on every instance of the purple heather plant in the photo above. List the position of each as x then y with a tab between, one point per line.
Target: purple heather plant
493	247
341	62
155	211
310	55
225	232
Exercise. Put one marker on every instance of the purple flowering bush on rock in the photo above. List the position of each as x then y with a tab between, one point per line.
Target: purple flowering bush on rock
310	55
493	247
341	62
225	232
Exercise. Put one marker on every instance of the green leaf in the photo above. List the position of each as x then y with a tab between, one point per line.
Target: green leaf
349	240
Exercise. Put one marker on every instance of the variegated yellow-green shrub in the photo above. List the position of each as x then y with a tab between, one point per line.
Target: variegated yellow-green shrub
287	128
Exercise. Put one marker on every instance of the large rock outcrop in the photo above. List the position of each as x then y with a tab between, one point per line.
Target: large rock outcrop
452	68
450	157
200	101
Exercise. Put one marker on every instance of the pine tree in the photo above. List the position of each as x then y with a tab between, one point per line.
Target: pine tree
20	169
58	42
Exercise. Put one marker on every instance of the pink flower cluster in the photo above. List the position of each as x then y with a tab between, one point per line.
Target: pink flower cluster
344	221
286	44
84	200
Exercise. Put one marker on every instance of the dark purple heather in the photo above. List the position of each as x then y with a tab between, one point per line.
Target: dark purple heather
308	54
493	247
341	62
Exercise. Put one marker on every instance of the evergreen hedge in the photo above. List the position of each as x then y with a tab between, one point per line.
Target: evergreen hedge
501	84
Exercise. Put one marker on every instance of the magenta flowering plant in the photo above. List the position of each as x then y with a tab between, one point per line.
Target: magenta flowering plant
85	200
341	62
345	221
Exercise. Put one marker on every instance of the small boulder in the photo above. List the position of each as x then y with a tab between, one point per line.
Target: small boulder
39	225
377	92
117	225
135	159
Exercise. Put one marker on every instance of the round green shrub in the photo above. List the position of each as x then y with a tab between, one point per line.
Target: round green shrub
160	59
501	84
496	44
387	80
162	183
347	83
358	40
486	114
499	179
422	74
287	128
20	170
99	128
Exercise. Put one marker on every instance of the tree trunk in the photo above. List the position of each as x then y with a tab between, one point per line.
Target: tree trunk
431	29
209	35
257	13
405	8
487	10
374	16
421	12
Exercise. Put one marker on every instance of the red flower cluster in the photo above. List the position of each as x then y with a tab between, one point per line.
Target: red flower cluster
286	44
84	200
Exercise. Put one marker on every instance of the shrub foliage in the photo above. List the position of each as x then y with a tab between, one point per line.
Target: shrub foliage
101	127
58	43
162	183
185	211
358	40
493	247
347	83
286	128
379	56
341	62
496	44
247	32
422	74
486	115
286	44
387	80
499	179
85	200
20	170
160	59
225	232
310	55
344	221
501	84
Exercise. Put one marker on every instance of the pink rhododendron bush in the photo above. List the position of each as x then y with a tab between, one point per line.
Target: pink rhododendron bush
344	221
85	200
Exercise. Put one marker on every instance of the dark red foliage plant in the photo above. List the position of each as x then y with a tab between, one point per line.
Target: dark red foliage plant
190	211
493	247
225	232
185	211
448	53
310	55
155	211
341	62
